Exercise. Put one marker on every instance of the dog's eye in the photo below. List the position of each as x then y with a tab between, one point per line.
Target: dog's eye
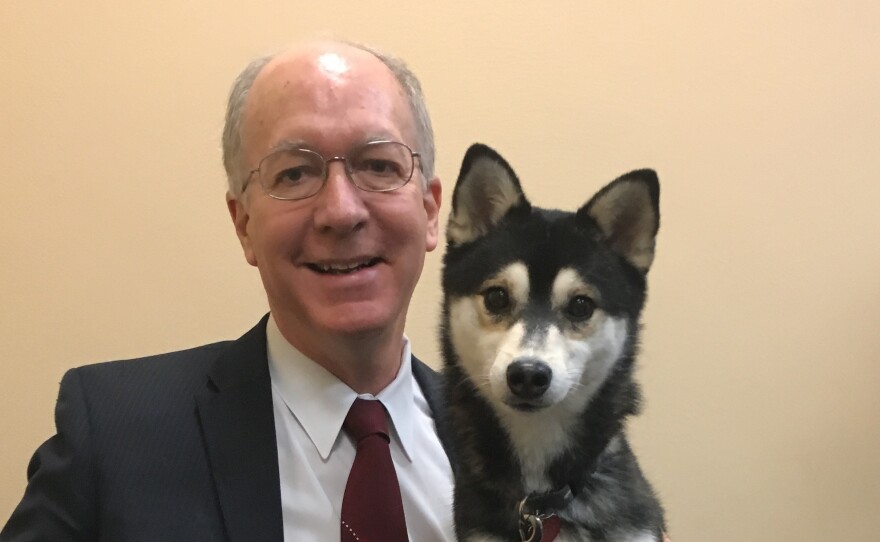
496	299
580	307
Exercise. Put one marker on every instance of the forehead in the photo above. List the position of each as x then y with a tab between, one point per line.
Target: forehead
329	98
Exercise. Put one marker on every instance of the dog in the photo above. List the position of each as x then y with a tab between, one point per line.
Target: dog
539	336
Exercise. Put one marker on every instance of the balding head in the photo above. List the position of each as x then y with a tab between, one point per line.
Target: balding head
312	59
339	265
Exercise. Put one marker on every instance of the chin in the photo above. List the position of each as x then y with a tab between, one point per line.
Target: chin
359	321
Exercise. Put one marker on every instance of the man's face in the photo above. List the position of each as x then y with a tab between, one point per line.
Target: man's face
331	102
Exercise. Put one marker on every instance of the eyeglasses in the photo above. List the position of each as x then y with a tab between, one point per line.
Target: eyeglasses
295	173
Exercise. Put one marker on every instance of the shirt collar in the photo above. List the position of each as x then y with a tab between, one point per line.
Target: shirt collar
319	401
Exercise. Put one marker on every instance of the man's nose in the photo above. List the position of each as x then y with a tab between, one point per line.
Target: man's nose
339	203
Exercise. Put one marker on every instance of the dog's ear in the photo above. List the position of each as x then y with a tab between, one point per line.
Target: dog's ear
628	213
486	190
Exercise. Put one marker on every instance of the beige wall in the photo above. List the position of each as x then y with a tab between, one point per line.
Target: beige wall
760	347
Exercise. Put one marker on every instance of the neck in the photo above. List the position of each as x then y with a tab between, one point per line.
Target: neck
366	362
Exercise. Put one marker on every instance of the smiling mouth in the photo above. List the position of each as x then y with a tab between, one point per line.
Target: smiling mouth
342	268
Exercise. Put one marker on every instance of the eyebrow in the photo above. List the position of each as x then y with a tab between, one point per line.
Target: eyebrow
287	144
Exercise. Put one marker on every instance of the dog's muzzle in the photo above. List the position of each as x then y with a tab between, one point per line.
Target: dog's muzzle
528	379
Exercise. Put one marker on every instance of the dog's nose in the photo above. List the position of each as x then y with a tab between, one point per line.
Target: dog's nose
528	378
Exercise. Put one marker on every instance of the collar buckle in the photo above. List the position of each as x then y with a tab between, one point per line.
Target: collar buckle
537	508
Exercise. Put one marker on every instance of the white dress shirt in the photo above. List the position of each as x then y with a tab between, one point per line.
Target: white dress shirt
315	455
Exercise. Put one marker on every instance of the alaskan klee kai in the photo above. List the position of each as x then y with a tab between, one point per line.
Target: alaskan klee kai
540	331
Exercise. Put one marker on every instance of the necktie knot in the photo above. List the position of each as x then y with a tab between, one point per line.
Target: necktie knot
366	418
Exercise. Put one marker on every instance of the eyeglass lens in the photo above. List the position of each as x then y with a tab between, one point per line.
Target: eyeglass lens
300	173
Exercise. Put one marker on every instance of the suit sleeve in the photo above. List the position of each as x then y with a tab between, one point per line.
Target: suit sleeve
59	502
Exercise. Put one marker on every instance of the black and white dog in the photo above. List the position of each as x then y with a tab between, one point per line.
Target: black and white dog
540	330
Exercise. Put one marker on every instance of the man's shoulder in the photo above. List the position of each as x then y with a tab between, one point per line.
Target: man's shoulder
429	379
422	366
180	360
180	370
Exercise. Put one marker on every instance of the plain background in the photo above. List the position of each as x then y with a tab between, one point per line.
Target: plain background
759	360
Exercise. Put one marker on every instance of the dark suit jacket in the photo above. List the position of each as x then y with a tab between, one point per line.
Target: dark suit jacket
176	447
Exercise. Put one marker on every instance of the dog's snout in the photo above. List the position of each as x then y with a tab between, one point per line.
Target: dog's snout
528	378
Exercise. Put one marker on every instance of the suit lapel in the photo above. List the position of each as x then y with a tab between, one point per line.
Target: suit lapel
432	387
238	426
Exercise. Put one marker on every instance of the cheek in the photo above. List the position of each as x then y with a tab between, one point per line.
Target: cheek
475	346
604	348
405	216
590	360
484	351
509	348
276	235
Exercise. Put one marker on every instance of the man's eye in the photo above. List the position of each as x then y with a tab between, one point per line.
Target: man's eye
382	168
295	175
496	300
580	308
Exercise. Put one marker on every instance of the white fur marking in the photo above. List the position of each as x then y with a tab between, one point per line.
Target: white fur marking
640	537
476	339
486	348
566	281
516	277
579	369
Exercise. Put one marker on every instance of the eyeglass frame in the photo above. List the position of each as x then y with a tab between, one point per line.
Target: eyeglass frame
346	166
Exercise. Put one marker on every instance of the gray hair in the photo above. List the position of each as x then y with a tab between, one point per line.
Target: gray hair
233	144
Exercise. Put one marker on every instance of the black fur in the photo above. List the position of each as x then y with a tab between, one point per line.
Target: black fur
488	476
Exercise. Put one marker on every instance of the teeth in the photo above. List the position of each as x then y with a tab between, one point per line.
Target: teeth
338	267
342	268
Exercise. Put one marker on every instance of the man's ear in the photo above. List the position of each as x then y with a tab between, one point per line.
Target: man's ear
240	217
431	198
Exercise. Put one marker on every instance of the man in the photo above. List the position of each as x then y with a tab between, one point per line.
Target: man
329	153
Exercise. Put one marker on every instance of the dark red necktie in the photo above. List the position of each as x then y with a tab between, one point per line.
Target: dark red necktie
372	510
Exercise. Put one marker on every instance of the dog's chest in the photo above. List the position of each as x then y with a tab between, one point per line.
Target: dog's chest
536	444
